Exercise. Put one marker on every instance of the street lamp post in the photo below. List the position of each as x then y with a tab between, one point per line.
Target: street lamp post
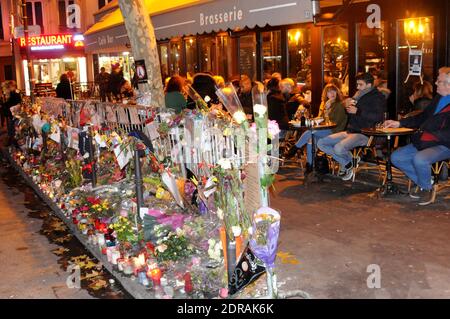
27	49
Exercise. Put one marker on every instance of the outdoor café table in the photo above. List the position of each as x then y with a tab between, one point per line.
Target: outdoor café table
312	128
388	187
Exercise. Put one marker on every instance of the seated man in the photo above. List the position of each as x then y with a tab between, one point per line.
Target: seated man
364	110
430	144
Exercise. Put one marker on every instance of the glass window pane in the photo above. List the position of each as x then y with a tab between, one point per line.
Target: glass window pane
226	60
247	56
207	54
38	15
191	55
175	57
1	24
299	54
372	48
164	60
271	51
30	13
413	32
335	54
62	12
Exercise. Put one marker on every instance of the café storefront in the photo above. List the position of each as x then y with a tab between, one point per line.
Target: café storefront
258	38
52	55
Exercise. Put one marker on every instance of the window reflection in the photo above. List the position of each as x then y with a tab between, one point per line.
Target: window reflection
191	55
247	55
175	57
299	54
335	54
271	51
413	33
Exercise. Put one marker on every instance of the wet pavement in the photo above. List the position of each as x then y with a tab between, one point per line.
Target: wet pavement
37	251
333	234
336	230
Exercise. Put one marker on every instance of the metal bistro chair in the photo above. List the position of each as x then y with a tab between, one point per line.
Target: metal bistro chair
357	154
439	173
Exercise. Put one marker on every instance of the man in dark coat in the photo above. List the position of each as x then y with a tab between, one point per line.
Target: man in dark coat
12	98
430	144
63	89
277	105
364	110
102	80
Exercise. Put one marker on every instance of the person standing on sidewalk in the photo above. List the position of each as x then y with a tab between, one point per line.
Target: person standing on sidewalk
12	98
430	144
364	110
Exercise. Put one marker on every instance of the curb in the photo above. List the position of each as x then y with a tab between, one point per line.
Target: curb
135	289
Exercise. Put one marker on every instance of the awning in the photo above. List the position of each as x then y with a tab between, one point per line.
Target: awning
190	17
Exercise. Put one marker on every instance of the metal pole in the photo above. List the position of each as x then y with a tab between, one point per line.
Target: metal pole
138	182
92	157
27	49
231	256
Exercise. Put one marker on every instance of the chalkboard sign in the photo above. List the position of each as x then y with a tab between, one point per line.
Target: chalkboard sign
248	269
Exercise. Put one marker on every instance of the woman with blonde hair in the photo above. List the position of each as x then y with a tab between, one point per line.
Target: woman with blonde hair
331	109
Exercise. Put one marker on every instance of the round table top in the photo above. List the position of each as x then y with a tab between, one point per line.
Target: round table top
388	131
321	126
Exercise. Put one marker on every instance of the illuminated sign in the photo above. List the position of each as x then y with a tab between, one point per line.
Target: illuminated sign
53	41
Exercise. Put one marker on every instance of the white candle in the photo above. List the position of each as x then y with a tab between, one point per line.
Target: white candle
115	256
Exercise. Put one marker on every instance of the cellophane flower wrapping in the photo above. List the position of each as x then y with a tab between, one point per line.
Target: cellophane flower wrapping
264	240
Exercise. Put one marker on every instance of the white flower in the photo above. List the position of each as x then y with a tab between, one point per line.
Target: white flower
250	230
179	231
239	117
211	242
224	163
207	98
220	213
236	230
161	248
260	109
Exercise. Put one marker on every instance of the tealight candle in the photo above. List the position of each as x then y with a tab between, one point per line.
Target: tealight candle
115	257
155	274
128	267
120	263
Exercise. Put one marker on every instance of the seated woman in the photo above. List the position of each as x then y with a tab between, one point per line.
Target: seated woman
332	109
422	95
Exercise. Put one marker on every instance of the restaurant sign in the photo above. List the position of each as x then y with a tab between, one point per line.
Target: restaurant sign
52	41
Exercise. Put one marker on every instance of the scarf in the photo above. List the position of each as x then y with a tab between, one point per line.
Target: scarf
359	94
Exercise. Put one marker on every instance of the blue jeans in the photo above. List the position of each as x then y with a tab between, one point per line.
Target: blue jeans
340	144
306	139
417	164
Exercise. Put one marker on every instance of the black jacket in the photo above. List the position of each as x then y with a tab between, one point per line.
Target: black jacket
277	110
14	99
434	129
63	90
246	100
371	108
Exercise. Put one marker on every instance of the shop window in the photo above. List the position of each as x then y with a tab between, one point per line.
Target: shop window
175	57
247	55
207	54
191	55
415	34
226	56
2	36
164	60
372	47
299	54
271	53
335	54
